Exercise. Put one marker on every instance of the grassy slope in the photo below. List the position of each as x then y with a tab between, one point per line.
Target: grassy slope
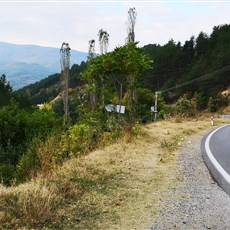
121	186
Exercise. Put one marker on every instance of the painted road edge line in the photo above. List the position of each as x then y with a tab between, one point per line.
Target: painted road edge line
213	160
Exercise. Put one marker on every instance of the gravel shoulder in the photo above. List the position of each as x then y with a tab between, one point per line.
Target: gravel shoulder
197	202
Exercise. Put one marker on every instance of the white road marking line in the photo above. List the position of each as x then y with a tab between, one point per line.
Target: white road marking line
218	167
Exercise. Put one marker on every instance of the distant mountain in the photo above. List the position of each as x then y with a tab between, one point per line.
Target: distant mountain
26	64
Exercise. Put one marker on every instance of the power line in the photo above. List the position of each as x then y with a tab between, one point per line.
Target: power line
204	77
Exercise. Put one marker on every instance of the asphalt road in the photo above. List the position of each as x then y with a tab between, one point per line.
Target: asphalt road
220	147
216	154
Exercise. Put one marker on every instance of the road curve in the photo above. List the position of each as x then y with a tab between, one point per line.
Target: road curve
215	149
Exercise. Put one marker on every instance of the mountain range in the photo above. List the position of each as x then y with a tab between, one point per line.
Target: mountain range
26	64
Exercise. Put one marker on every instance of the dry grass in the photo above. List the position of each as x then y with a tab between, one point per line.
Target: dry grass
119	187
30	204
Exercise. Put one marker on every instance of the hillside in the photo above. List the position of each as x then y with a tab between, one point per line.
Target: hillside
121	186
48	88
26	64
175	64
104	169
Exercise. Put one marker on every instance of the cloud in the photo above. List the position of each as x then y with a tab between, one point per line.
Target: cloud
50	24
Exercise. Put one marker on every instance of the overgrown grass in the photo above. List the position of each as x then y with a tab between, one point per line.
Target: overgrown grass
120	186
30	204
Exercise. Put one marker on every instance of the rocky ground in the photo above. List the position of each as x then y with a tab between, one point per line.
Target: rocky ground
197	202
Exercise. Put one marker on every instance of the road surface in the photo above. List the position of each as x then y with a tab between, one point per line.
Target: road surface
216	154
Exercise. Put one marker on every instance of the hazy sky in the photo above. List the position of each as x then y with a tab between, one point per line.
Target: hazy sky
49	23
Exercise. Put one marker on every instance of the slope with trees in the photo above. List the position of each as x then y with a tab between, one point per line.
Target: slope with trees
175	64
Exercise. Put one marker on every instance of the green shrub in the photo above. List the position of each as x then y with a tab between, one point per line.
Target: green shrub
184	106
217	102
7	173
28	164
81	138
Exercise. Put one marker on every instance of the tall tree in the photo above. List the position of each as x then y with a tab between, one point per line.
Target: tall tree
202	45
65	66
91	50
92	93
103	37
5	91
132	16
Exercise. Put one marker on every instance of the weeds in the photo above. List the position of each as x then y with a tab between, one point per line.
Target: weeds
30	204
114	187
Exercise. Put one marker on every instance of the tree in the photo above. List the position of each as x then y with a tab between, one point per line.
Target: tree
91	51
103	37
132	16
104	43
202	45
92	93
5	91
65	66
117	67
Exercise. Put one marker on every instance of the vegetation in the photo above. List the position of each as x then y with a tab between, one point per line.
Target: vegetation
5	91
111	188
175	64
124	77
19	128
36	144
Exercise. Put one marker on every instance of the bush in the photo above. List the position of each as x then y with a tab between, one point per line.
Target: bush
28	164
81	138
217	102
184	106
7	173
18	128
42	156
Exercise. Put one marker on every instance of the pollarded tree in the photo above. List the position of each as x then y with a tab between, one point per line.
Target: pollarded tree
65	66
91	51
92	93
103	37
132	16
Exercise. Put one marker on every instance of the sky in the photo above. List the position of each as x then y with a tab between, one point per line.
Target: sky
49	23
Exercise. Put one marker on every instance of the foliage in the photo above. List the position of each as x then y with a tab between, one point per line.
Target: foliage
184	105
175	64
126	76
81	136
144	102
48	88
28	164
117	72
18	128
217	102
5	91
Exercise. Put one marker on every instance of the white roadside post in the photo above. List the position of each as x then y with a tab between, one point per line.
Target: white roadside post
212	121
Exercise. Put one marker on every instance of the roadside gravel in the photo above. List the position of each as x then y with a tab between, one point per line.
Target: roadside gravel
197	202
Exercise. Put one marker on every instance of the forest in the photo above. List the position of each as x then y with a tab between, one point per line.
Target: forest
173	64
189	79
